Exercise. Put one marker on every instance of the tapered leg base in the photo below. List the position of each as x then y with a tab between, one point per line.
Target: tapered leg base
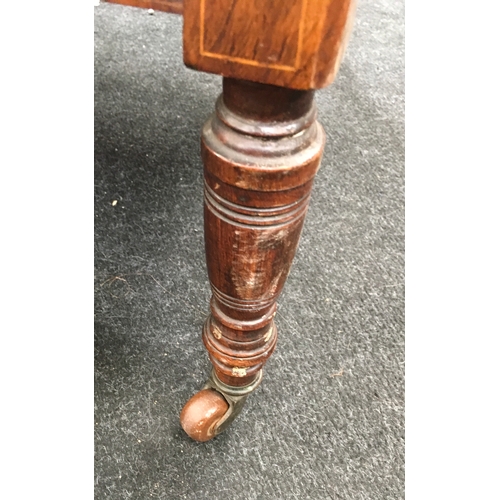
261	150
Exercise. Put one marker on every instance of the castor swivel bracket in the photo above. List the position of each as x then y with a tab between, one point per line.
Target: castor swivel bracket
235	397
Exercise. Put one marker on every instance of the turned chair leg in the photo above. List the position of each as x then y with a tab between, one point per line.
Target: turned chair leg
261	149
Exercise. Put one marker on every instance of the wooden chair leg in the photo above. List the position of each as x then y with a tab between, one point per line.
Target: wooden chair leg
261	149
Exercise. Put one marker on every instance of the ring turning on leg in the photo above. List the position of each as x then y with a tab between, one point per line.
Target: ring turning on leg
261	150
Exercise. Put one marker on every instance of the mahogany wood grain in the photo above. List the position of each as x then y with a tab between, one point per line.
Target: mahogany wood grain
261	150
297	44
172	6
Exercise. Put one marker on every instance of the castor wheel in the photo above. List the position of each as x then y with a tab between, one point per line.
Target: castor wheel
202	412
211	410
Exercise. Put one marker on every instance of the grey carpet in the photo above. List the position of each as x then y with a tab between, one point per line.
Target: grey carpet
328	420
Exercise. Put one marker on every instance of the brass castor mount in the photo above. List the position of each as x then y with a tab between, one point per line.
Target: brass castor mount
214	407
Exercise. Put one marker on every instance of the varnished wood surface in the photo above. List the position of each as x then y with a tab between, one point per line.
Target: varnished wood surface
261	150
297	44
172	6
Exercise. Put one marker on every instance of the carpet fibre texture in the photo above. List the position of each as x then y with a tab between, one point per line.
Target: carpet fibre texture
328	420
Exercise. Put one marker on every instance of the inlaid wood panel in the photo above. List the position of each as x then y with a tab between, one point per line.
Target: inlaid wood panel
228	32
295	43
